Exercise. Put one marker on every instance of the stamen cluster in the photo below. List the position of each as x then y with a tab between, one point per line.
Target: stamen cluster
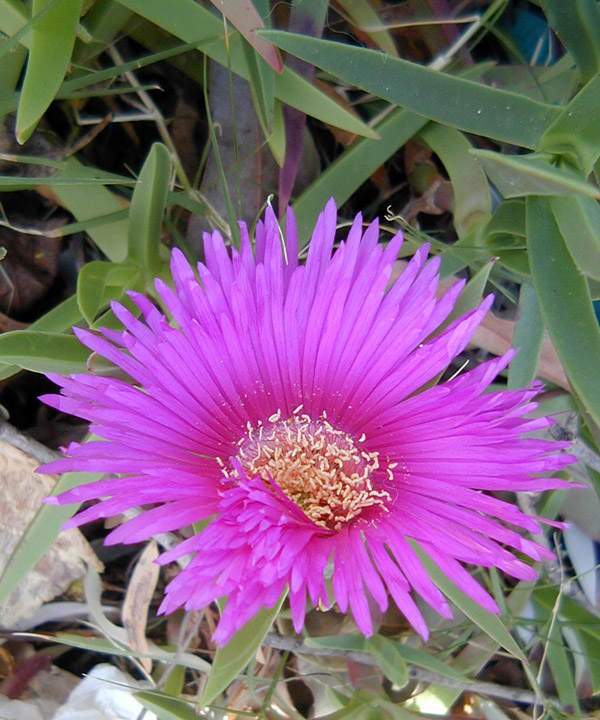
318	467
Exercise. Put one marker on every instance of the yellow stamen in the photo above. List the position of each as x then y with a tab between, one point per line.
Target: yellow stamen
317	466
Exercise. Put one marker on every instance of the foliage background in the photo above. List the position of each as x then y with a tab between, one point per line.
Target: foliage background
130	126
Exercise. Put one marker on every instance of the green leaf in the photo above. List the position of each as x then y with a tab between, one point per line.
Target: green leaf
575	134
507	223
52	41
471	295
155	652
100	282
562	673
577	24
165	706
59	319
472	199
111	237
338	642
522	175
276	139
192	23
420	658
232	659
355	165
583	623
175	682
591	655
147	210
12	184
104	21
13	16
41	532
565	304
386	655
576	615
578	219
12	67
43	351
413	656
467	105
491	624
87	225
110	74
10	45
528	337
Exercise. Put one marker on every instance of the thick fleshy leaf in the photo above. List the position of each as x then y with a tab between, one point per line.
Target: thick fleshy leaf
52	41
565	303
22	37
581	621
591	654
59	319
578	219
104	20
43	351
577	24
522	175
472	200
558	661
13	17
467	105
147	209
575	134
100	282
12	66
507	225
471	294
389	659
110	237
528	338
232	659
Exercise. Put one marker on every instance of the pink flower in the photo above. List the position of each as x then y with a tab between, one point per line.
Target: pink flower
288	405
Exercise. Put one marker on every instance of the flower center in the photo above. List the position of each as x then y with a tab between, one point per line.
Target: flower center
318	467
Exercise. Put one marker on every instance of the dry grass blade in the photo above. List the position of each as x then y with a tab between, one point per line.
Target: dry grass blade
137	602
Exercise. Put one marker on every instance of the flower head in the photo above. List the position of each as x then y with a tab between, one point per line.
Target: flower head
287	401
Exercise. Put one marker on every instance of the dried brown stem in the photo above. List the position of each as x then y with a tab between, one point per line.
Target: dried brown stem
477	687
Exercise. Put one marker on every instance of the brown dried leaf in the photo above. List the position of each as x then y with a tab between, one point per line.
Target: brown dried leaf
21	494
433	192
495	335
137	601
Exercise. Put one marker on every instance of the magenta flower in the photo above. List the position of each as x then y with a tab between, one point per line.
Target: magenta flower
287	405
